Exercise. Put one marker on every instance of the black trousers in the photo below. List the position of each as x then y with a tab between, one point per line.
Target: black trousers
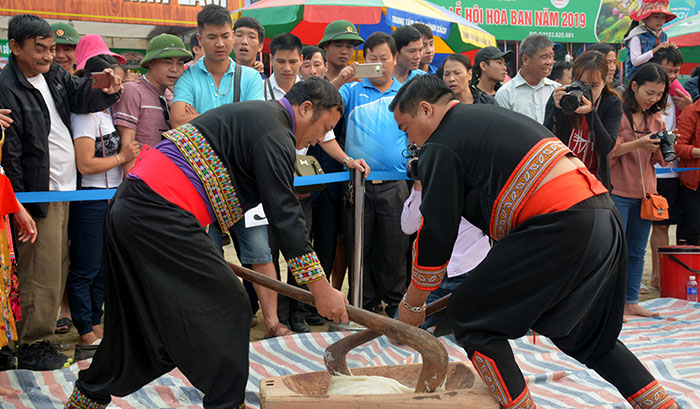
563	275
384	245
286	307
170	301
327	225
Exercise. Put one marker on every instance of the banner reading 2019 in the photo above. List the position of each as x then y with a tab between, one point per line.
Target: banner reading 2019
581	21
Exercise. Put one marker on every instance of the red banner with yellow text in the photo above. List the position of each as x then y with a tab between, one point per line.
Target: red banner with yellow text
152	12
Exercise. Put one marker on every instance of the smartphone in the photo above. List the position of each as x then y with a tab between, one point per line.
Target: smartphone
99	80
369	70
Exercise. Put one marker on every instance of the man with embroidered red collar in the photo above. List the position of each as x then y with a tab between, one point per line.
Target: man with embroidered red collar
559	253
171	299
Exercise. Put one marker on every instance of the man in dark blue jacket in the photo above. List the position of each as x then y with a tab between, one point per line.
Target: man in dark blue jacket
38	155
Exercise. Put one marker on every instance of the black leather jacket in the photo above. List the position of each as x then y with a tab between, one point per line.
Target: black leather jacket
25	154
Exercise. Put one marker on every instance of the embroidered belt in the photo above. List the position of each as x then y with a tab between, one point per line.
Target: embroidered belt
211	171
522	183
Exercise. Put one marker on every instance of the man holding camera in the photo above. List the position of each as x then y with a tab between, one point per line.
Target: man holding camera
558	262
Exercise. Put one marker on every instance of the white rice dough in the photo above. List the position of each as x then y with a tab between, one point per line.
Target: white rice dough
365	385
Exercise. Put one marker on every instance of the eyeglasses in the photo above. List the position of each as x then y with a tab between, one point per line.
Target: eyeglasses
162	50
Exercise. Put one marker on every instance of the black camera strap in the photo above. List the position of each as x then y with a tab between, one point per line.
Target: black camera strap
628	114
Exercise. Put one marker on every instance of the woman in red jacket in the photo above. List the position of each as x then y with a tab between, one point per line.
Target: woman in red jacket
9	288
688	150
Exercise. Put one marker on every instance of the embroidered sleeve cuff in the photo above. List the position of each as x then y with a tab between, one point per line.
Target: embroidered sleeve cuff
427	279
306	268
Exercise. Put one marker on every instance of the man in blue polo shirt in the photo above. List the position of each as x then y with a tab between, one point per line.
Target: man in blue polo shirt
372	134
211	81
209	84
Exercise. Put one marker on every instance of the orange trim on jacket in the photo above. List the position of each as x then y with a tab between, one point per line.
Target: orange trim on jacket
522	183
425	278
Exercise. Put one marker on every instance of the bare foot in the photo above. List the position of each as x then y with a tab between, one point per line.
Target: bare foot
4	391
638	310
654	282
99	332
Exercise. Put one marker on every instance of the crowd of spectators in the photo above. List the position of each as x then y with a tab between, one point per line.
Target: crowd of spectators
62	135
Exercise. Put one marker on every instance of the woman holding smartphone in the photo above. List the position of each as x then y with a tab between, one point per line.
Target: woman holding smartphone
632	169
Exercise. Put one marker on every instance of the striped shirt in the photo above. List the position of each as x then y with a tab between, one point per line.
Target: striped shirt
140	109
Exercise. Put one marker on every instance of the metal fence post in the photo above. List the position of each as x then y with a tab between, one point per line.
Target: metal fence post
357	256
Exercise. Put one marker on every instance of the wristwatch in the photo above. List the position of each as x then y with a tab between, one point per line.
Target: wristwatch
345	161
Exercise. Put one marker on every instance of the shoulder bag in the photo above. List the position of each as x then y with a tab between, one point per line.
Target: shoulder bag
654	206
307	165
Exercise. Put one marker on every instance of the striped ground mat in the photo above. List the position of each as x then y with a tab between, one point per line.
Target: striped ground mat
668	346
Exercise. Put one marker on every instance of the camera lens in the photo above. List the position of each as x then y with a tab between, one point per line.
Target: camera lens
569	103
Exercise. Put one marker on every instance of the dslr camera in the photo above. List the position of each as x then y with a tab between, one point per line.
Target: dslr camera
667	144
411	153
573	98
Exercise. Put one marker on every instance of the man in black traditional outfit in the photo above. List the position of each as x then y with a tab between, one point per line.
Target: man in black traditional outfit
171	300
558	262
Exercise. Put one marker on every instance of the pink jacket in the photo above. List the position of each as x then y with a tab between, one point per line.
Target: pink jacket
624	170
675	89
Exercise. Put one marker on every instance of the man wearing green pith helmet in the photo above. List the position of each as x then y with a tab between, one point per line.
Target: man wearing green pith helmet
67	38
339	41
143	113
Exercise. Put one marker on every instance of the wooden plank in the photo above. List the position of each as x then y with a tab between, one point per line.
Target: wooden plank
463	389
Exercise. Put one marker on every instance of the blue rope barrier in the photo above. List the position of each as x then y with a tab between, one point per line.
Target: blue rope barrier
660	171
65	196
106	194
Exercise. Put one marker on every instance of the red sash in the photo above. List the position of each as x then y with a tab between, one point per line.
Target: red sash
561	193
163	176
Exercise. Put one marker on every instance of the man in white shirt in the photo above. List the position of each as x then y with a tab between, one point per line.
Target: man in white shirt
38	155
530	90
469	250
